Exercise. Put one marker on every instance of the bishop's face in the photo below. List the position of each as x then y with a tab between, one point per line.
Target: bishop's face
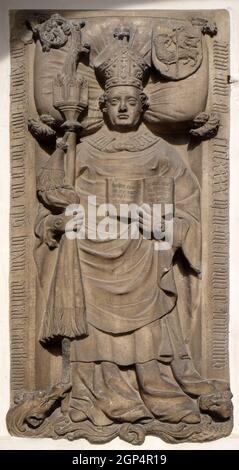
124	107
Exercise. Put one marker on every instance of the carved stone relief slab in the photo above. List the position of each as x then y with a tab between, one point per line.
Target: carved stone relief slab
119	225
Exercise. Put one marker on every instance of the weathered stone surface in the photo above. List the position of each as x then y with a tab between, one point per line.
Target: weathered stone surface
119	315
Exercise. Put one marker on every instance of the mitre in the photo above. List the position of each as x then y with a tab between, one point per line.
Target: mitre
120	63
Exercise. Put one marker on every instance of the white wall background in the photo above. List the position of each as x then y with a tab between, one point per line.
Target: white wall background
6	441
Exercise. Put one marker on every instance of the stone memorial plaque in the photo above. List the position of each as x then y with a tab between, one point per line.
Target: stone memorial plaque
118	337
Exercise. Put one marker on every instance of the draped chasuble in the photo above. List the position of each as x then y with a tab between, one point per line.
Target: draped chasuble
129	295
135	319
